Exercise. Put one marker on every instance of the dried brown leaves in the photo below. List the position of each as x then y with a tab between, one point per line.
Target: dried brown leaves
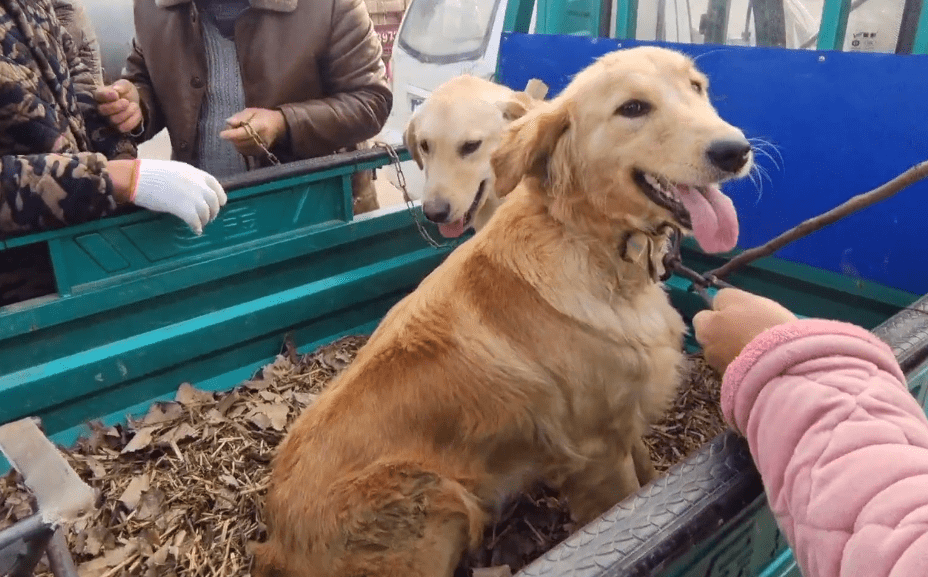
694	419
182	489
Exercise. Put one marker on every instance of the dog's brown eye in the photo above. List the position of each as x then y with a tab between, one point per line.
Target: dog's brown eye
696	86
470	147
424	145
634	108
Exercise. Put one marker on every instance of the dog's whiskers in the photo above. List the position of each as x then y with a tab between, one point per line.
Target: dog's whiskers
757	175
764	172
696	58
761	146
758	181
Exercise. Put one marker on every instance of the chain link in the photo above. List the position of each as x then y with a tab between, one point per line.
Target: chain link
260	142
401	180
699	283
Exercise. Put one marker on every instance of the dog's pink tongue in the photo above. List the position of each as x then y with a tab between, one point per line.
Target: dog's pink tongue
715	222
453	229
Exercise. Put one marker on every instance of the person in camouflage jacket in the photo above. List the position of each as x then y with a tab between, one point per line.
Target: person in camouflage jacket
63	163
55	144
73	16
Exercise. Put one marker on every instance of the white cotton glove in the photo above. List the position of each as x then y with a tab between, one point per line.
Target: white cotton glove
179	188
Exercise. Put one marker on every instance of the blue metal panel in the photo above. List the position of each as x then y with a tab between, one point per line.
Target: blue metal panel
843	122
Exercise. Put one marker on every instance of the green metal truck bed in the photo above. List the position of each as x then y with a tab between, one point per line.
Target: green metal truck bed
143	307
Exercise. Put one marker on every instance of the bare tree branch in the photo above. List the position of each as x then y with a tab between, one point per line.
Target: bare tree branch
859	202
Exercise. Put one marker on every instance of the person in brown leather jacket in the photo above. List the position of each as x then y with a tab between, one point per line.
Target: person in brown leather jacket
306	75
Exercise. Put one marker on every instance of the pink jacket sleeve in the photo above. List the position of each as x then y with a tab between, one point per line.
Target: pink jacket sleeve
841	445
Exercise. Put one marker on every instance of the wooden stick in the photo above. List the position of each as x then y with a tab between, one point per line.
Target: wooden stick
859	202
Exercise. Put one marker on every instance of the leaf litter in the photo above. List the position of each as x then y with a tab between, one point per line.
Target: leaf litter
181	490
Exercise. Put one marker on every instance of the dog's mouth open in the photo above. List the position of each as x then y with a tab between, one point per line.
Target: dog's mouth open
705	210
457	228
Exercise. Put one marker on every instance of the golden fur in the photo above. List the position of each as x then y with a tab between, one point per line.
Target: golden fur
537	350
465	109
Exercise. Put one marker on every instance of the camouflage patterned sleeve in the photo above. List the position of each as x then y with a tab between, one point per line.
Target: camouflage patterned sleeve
103	136
45	191
74	19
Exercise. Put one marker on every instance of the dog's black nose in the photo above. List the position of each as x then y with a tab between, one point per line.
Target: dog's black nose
436	210
729	155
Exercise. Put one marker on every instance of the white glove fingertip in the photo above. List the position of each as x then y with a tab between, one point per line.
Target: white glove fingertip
213	183
212	199
202	208
191	216
213	202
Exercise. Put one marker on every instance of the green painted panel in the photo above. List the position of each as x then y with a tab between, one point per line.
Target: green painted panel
518	16
101	252
241	279
193	270
807	290
918	384
35	389
920	46
155	241
340	324
626	18
834	24
716	19
219	370
749	544
574	17
296	175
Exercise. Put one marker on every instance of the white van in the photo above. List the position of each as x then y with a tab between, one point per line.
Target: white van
440	39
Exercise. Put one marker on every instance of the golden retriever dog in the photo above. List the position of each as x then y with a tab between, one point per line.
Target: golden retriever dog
541	349
451	136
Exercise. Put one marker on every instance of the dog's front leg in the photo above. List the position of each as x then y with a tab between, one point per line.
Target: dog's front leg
601	484
644	466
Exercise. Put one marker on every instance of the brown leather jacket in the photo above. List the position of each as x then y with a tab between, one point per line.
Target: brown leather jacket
318	61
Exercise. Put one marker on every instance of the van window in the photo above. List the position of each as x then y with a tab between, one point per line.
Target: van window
446	31
873	25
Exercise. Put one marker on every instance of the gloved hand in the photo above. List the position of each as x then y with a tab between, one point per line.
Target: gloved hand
178	188
737	318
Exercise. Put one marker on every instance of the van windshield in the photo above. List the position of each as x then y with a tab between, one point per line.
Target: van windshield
445	31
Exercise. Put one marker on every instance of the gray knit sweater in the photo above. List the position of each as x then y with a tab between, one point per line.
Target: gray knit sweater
224	93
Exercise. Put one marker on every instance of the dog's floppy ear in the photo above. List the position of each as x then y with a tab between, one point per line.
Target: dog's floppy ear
515	107
519	103
412	142
527	145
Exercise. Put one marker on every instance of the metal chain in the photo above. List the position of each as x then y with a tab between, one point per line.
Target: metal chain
673	264
401	180
260	142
